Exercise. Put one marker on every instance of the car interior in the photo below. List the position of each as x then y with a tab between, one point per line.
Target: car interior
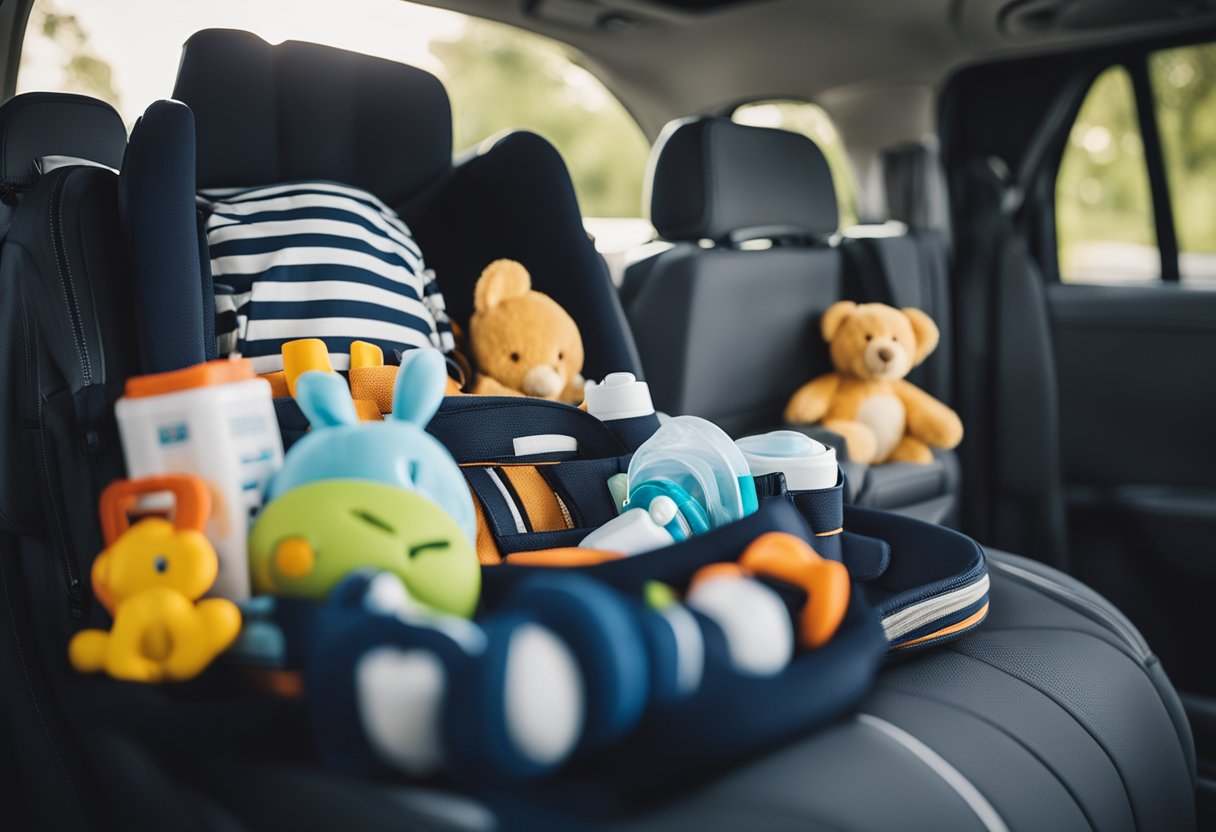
1038	177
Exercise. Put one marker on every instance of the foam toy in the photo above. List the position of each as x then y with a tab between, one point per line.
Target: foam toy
523	342
353	494
150	577
881	416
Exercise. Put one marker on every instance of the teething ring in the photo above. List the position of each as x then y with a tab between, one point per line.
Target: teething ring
826	582
191	500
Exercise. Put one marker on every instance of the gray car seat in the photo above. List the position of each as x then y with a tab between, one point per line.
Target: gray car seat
727	320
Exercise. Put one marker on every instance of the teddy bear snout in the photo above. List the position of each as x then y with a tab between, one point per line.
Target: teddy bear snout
886	359
543	381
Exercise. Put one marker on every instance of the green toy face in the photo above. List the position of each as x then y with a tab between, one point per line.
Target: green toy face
305	541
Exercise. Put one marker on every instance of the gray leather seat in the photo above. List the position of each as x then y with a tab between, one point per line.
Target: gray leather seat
726	321
1053	715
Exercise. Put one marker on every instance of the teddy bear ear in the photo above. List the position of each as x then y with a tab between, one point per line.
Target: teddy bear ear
834	317
925	331
500	280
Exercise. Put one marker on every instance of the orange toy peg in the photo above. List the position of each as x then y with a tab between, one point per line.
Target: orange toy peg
826	582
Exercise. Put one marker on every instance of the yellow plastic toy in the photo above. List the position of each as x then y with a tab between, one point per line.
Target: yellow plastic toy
150	577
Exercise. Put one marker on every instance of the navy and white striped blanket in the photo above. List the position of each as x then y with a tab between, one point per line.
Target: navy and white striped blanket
317	260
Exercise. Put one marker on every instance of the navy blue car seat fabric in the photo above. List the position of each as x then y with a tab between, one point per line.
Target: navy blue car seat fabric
298	111
156	201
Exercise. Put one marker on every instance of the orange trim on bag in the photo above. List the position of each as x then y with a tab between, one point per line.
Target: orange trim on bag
969	621
564	557
207	374
537	498
506	464
829	534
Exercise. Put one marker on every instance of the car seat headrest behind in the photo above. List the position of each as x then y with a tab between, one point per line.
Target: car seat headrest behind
711	178
36	125
300	111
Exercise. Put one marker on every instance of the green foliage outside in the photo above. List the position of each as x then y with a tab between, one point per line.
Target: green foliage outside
1184	83
84	71
1102	190
500	78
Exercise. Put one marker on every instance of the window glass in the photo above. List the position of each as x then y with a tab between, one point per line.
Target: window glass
811	121
1104	208
1184	91
126	52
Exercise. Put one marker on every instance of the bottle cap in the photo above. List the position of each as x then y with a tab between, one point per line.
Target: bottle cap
618	396
808	465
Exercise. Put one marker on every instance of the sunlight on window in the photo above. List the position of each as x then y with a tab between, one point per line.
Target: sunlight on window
811	121
499	78
1184	90
1104	208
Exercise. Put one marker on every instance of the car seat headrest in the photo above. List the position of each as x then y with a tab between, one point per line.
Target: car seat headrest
713	179
915	186
300	111
37	125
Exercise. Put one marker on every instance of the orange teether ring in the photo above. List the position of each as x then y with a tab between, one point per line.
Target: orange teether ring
826	582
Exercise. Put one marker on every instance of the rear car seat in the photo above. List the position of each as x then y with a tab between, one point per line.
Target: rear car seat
1052	715
907	263
729	331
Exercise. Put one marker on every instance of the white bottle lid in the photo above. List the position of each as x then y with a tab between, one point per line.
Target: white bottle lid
618	396
808	465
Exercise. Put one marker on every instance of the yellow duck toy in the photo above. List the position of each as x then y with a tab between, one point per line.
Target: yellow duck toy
150	577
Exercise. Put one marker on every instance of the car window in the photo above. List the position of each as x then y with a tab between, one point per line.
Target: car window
1108	227
811	121
127	51
1104	207
1184	92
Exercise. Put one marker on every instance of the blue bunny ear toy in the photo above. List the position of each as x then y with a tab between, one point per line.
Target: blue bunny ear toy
397	451
419	388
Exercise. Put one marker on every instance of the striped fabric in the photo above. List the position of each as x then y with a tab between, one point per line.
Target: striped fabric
317	260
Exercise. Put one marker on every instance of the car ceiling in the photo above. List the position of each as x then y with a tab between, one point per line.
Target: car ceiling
873	64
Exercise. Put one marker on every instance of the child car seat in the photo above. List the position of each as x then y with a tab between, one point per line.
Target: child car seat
253	103
1053	715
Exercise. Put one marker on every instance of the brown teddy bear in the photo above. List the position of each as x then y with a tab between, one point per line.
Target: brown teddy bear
523	342
882	417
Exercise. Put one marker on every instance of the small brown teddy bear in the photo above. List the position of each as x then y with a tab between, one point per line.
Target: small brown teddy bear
523	342
882	417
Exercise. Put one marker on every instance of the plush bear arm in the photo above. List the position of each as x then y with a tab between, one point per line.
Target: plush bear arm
487	386
812	400
929	420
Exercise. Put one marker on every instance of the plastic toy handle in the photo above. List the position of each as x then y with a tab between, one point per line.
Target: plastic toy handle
303	355
192	502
